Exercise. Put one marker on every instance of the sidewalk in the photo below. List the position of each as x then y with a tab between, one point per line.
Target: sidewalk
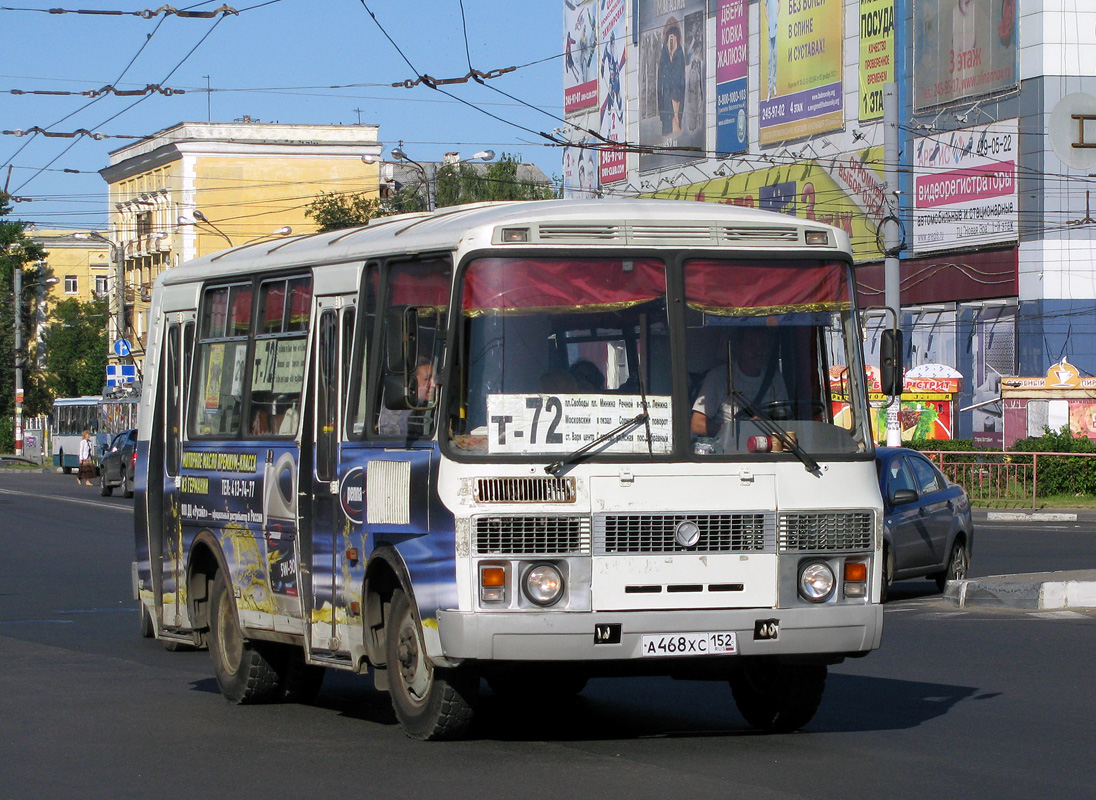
1036	590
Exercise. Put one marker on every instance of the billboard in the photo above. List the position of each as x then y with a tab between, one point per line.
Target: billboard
801	69
579	52
580	171
847	191
876	55
672	81
612	161
731	68
965	191
963	49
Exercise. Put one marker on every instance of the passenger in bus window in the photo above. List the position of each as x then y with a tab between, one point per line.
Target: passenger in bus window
589	377
755	373
411	421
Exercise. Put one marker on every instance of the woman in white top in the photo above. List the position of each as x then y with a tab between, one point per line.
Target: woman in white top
87	466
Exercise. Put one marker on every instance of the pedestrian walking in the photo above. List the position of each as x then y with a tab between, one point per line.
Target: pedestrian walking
87	466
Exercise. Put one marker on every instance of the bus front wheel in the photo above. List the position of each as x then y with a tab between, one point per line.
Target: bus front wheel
778	697
430	703
243	672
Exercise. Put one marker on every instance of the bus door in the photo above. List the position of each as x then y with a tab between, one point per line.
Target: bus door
328	544
177	350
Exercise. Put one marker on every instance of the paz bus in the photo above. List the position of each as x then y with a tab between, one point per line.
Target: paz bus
520	444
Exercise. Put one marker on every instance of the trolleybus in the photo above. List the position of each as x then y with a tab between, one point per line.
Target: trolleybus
522	444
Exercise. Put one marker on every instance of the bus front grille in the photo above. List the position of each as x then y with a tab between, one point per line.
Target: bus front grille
752	532
527	535
826	530
534	489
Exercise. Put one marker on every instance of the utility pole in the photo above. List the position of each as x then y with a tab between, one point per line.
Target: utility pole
17	286
891	241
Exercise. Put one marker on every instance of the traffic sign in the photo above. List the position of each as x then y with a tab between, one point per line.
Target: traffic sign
121	347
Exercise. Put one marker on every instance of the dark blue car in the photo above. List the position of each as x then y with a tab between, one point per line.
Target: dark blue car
928	530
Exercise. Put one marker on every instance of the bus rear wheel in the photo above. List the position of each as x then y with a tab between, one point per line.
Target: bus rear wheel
244	673
778	697
429	702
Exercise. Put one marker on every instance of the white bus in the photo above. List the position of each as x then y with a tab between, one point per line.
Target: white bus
103	416
520	443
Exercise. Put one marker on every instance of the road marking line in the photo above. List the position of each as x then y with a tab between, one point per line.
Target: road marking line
91	503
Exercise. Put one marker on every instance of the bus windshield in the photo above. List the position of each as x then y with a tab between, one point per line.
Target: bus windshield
556	352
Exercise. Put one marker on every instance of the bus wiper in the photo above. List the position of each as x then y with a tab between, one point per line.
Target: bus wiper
773	429
556	466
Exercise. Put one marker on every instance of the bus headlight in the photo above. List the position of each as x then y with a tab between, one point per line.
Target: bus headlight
816	581
543	584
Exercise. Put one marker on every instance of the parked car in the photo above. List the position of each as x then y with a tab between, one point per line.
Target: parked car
117	464
927	525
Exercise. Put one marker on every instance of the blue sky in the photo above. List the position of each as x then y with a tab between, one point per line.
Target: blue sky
273	62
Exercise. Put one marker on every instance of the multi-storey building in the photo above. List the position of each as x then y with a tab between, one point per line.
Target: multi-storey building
778	104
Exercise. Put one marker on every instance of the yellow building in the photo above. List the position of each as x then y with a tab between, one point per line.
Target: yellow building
80	266
199	187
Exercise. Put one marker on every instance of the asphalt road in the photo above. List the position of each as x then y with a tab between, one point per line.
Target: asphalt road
974	703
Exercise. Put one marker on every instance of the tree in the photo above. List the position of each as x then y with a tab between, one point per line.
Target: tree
16	251
76	348
454	184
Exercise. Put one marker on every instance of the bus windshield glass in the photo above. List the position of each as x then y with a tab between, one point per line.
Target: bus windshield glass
554	353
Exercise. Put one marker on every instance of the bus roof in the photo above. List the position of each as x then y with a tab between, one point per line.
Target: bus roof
561	223
87	399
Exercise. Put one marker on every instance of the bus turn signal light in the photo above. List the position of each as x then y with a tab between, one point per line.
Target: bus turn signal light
492	584
856	571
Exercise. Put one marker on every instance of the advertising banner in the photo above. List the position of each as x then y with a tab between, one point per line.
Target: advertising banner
876	55
580	172
965	187
579	52
801	68
963	49
846	191
731	67
612	161
672	81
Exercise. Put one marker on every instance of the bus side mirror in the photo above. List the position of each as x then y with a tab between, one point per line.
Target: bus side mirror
890	362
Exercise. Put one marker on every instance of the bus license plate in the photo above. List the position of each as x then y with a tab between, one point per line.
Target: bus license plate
690	644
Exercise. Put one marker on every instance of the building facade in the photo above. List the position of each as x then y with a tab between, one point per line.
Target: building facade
199	187
778	104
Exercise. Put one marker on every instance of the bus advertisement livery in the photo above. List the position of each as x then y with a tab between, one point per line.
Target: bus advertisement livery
523	444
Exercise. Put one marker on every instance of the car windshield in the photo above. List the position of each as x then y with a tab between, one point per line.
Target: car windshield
554	353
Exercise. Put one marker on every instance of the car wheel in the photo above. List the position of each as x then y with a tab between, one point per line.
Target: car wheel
127	485
958	564
888	574
430	703
777	697
105	489
243	672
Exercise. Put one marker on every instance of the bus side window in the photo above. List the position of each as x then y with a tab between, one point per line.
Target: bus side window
277	368
222	359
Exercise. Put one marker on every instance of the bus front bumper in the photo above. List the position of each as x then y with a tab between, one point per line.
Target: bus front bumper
619	636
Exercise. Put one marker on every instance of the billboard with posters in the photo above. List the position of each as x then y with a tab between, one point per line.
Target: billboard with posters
731	69
876	55
963	49
611	62
580	178
579	54
801	68
965	191
672	81
847	191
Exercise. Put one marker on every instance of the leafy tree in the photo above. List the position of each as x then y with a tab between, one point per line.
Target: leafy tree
453	184
16	251
76	348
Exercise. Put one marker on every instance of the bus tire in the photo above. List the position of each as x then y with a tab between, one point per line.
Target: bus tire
430	703
778	697
244	674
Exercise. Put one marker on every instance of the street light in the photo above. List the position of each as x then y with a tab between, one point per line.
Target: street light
198	215
285	230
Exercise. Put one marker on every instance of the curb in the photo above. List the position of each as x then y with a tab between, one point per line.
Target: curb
1035	591
1030	516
